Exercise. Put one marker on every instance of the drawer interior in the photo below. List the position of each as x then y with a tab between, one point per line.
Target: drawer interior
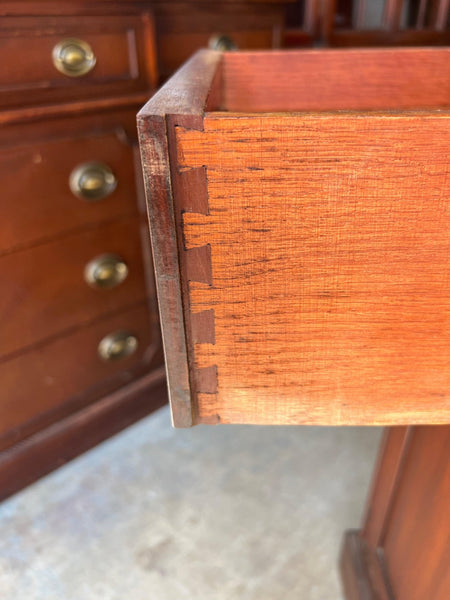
309	280
328	80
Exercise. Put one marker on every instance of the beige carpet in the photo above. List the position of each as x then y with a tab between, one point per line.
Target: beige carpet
210	513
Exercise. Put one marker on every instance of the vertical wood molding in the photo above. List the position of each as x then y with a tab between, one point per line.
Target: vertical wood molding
386	478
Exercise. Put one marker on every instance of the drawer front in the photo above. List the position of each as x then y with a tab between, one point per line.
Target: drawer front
45	288
175	48
43	385
55	59
36	192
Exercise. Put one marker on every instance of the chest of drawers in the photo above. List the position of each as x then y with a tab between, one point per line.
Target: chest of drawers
80	350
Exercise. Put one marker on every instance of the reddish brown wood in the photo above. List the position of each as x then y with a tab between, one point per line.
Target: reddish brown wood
416	544
29	76
281	293
407	37
44	166
194	82
69	437
386	478
392	14
45	293
318	227
403	551
175	48
51	320
441	14
66	373
356	566
336	80
427	24
184	27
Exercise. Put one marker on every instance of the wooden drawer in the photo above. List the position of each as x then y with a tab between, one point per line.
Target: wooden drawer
302	248
36	174
57	378
64	59
44	288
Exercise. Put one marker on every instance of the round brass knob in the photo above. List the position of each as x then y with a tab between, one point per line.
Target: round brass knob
92	181
73	57
221	42
117	345
105	271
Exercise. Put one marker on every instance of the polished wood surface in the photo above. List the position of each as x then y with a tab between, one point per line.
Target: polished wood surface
53	446
120	44
66	373
31	161
316	243
313	80
195	80
45	291
56	390
402	551
52	123
184	27
416	543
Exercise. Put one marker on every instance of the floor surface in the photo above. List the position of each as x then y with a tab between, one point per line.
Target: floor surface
209	513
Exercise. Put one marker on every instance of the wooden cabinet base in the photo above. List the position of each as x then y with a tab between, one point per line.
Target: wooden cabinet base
59	443
403	549
362	577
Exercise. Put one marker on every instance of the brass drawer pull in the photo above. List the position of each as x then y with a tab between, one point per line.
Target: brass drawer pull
106	271
92	181
117	345
222	42
73	57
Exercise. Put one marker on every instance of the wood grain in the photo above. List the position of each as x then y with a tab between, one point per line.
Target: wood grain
180	101
385	482
43	167
417	541
403	550
120	43
45	293
49	382
351	79
329	244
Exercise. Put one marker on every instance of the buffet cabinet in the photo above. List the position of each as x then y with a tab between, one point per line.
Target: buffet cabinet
80	346
80	350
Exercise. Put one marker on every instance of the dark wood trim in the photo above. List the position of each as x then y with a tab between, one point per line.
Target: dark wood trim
407	37
354	574
47	450
362	573
386	478
188	108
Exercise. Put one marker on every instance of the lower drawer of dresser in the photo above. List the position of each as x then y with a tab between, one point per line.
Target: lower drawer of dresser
51	381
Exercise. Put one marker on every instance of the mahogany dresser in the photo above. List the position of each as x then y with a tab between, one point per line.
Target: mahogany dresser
80	348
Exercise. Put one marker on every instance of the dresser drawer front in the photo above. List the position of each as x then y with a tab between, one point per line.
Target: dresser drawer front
36	193
58	59
46	291
43	385
174	48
